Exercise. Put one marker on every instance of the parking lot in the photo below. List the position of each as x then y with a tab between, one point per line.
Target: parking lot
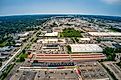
46	74
56	75
92	71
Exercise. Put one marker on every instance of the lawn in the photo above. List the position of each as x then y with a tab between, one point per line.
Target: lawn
22	57
70	32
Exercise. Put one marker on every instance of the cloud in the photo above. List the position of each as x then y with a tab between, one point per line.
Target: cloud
112	1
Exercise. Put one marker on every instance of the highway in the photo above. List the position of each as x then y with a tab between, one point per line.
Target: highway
2	69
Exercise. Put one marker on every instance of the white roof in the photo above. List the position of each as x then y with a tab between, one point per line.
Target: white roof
88	39
47	40
23	34
105	33
26	33
55	40
85	48
18	44
22	39
51	34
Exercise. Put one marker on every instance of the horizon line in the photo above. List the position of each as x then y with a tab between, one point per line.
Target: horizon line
59	14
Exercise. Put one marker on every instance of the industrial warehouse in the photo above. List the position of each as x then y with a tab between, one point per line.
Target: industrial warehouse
36	58
85	48
105	34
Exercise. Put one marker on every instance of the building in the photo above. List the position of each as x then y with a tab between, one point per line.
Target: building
77	48
53	34
52	40
4	55
85	39
7	48
105	34
66	57
25	34
50	46
57	29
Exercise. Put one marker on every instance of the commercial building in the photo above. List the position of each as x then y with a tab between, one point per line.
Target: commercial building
51	40
51	46
77	48
105	34
6	48
85	39
66	57
23	34
53	34
4	55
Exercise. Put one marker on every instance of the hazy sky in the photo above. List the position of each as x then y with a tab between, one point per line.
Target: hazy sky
100	7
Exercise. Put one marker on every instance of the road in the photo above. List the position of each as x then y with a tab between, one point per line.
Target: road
2	69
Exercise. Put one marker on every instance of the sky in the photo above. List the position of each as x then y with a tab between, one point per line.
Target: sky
87	7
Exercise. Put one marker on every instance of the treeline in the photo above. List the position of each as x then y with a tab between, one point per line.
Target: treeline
102	17
17	24
14	26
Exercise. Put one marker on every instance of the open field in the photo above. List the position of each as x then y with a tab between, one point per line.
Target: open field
70	32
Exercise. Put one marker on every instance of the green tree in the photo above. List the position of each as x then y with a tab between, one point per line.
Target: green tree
22	59
110	53
69	48
77	40
23	51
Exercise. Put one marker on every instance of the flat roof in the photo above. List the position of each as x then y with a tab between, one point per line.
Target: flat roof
53	40
23	34
51	34
105	33
85	48
87	39
68	57
47	40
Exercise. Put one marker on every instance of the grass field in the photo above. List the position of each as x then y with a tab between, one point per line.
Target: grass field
22	55
70	32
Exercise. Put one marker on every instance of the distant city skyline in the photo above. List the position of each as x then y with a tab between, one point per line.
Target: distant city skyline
86	7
